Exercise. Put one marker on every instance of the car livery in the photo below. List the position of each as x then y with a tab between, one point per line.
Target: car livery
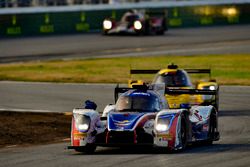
135	22
175	78
142	117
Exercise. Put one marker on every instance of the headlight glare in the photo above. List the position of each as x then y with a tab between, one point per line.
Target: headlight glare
212	87
164	123
83	127
161	127
107	24
137	25
82	122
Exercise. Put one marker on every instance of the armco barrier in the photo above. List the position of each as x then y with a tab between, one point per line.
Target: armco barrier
82	19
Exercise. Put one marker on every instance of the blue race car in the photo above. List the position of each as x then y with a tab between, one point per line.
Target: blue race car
141	117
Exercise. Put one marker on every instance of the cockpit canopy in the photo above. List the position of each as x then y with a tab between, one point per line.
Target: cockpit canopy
138	101
174	78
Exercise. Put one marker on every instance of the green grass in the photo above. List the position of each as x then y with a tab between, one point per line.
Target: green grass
226	69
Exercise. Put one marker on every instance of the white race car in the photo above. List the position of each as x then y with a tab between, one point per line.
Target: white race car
141	117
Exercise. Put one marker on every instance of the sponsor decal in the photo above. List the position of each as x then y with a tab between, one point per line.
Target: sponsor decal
165	137
141	93
80	135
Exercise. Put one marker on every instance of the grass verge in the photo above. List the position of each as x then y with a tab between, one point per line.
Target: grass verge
226	69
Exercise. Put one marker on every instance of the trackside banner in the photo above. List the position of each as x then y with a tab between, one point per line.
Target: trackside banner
34	21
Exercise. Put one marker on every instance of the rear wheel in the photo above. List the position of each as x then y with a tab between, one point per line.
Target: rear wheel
147	28
217	100
163	28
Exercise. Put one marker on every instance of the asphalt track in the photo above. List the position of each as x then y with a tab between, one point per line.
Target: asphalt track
232	150
189	41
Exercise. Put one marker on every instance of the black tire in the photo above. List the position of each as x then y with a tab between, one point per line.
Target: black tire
147	29
217	100
183	133
211	129
163	28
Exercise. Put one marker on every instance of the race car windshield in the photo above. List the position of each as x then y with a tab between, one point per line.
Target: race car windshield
173	79
137	104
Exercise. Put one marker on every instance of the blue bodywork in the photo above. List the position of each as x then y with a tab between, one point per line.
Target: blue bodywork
123	121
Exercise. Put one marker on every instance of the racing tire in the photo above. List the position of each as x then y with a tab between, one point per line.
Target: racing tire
217	100
183	133
211	129
147	28
163	28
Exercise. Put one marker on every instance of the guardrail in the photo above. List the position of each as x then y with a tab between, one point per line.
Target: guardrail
88	18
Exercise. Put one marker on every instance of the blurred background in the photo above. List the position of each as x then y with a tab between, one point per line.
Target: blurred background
32	3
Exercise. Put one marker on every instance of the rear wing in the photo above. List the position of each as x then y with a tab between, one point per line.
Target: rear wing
190	91
119	90
154	71
144	71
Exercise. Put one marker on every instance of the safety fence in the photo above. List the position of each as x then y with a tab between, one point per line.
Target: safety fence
83	19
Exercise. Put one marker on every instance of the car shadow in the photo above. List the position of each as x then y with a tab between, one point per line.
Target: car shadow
196	148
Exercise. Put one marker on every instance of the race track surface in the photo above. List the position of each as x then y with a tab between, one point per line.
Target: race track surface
232	150
189	41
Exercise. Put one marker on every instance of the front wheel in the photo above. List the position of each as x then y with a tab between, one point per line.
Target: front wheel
211	130
183	134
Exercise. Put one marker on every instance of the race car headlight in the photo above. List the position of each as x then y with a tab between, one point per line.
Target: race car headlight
161	127
82	122
107	24
83	127
137	25
211	87
164	123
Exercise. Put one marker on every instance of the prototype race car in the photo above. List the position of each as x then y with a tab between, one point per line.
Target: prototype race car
135	22
176	78
141	117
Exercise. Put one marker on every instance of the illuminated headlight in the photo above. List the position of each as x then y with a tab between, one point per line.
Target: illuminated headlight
211	87
137	25
82	122
83	127
230	11
163	123
161	127
107	24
